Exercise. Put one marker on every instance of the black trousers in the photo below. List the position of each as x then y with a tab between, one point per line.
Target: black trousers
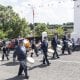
22	68
8	51
45	59
5	54
65	47
73	47
55	54
34	51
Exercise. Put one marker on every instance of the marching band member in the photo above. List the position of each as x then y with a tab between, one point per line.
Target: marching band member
34	49
20	52
54	43
4	53
65	45
44	47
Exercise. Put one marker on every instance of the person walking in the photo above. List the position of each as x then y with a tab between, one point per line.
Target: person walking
4	53
34	48
54	43
44	47
65	45
20	52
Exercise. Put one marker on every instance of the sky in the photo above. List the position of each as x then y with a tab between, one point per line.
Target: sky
45	11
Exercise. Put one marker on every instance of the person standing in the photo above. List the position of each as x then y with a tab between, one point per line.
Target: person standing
44	47
20	52
54	43
65	44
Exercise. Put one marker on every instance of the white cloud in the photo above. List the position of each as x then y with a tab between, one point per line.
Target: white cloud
52	11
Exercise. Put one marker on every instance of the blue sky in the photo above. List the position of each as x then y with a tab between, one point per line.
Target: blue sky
48	11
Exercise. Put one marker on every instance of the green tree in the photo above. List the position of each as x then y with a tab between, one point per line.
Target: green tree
41	27
25	29
11	24
60	31
2	34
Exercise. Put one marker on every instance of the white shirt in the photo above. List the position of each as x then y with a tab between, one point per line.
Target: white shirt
23	49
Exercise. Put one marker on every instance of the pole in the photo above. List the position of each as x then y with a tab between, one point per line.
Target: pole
33	20
33	25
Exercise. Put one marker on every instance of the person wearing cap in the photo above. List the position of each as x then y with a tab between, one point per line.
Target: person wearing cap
44	47
54	43
20	52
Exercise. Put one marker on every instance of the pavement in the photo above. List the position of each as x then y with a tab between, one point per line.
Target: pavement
67	67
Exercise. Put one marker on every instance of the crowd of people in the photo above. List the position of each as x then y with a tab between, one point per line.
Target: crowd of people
20	51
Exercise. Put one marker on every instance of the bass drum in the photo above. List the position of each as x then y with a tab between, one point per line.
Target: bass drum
0	58
50	50
30	60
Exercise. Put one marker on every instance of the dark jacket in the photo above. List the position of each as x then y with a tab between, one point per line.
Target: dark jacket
16	42
33	46
64	39
19	53
4	49
54	42
44	46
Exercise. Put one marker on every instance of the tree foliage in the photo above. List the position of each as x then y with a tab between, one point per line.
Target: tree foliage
11	24
2	35
39	28
60	31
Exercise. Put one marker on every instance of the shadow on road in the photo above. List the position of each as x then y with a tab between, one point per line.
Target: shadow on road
17	78
63	54
37	66
11	63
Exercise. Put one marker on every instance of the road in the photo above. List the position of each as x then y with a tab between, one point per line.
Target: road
67	67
